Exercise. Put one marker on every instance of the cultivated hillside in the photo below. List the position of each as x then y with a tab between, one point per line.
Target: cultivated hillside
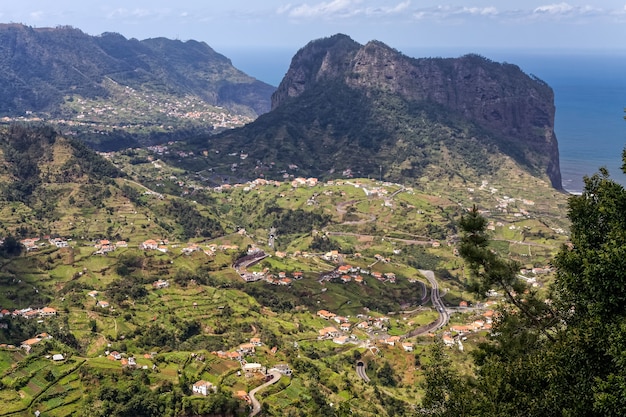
54	185
109	83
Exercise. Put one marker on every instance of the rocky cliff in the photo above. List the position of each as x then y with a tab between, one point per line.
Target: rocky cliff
514	107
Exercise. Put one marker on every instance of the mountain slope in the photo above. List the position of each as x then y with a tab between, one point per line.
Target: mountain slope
41	66
109	83
371	110
51	184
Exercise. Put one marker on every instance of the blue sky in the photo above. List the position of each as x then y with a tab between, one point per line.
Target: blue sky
290	24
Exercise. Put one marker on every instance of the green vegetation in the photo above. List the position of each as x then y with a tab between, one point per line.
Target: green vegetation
175	333
115	92
139	255
560	357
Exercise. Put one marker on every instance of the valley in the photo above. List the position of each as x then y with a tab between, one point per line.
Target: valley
183	314
227	254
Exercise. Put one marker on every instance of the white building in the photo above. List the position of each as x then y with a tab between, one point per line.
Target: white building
203	388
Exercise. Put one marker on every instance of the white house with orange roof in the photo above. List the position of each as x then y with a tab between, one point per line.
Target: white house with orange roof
190	248
149	244
392	340
340	340
246	348
391	277
377	275
488	315
340	319
27	345
344	269
461	329
327	315
47	312
30	243
328	332
58	242
160	284
203	388
478	324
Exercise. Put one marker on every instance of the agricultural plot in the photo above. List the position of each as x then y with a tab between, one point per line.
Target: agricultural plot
226	311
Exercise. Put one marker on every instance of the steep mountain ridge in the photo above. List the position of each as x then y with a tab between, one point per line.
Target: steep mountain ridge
498	97
368	110
41	66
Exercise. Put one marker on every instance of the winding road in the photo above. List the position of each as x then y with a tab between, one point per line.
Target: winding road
442	318
435	299
256	405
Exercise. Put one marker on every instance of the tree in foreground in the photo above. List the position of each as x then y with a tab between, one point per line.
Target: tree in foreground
566	357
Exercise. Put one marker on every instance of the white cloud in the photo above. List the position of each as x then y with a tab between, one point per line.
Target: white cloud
482	11
334	8
449	11
442	12
284	9
567	11
340	9
561	8
553	11
138	13
398	8
37	15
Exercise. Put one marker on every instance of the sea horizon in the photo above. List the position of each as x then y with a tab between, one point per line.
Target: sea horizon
589	94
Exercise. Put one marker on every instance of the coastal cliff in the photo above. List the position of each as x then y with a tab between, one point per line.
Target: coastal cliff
515	107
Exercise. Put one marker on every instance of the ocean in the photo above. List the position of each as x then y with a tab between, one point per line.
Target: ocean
589	94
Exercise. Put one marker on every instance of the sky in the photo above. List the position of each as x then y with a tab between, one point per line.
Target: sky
458	24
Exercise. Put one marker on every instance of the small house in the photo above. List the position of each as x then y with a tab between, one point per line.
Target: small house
203	388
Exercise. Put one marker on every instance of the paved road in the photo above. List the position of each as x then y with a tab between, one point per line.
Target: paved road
256	405
442	318
360	371
435	299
